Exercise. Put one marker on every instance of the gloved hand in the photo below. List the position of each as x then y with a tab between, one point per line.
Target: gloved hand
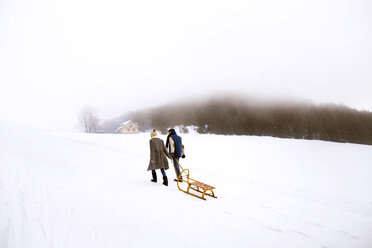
172	155
183	156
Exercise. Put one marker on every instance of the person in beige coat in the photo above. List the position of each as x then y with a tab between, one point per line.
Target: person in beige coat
158	158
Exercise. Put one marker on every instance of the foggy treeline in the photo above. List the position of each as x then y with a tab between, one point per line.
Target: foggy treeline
247	117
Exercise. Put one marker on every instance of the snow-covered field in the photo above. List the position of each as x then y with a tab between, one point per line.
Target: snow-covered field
92	190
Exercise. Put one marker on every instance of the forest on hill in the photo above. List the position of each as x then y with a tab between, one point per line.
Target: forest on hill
232	115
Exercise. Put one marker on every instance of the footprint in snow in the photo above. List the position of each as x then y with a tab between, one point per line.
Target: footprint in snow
349	235
252	219
273	229
302	234
265	207
310	223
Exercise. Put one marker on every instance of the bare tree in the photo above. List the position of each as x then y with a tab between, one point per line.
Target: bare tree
88	119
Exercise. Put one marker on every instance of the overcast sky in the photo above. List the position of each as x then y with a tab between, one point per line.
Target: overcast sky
59	55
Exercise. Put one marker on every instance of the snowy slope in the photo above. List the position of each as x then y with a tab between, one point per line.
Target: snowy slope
92	190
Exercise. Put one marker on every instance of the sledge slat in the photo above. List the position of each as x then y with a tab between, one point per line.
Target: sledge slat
201	185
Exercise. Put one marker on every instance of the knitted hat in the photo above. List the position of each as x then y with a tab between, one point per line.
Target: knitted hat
153	133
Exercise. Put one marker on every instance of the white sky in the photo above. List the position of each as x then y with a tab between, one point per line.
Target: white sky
58	55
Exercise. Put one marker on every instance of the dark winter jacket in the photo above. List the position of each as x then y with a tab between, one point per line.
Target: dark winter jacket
178	145
157	154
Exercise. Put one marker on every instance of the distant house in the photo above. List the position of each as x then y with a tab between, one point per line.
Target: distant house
128	127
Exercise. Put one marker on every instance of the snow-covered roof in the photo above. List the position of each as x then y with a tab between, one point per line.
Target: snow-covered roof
124	124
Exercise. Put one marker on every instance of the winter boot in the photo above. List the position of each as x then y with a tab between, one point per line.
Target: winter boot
154	179
180	180
165	180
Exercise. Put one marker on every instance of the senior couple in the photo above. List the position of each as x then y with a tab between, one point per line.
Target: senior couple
159	152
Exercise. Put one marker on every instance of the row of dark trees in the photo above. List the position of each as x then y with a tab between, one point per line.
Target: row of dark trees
242	117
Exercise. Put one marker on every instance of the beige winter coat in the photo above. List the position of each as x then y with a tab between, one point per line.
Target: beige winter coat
158	154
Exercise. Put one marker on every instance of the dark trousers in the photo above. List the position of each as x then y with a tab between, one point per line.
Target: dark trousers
162	172
176	165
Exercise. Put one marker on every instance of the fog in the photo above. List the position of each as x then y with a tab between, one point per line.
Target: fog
57	56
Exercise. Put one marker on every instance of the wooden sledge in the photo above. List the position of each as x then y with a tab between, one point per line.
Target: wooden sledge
194	185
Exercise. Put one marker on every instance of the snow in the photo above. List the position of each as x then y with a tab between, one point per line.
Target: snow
190	129
122	125
125	123
93	190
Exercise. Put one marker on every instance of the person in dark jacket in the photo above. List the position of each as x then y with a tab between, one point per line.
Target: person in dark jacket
174	145
158	160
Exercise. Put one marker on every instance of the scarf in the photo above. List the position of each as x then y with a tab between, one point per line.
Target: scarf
172	131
